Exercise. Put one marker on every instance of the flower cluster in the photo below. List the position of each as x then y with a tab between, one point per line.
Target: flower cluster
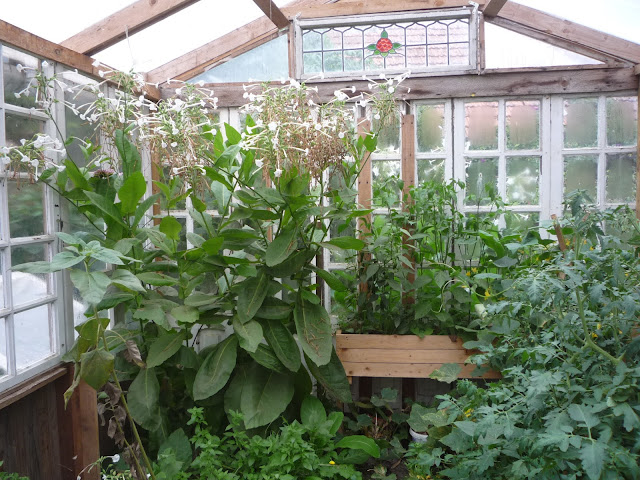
32	156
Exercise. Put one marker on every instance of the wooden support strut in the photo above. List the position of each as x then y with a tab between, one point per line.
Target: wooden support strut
364	191
408	172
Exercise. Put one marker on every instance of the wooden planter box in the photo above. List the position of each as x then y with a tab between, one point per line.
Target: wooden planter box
402	356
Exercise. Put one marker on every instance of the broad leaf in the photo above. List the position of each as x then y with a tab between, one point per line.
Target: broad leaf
91	285
107	206
314	331
179	443
360	442
143	398
131	160
156	279
344	243
312	412
266	357
163	348
446	373
185	314
265	395
252	293
583	414
96	367
171	227
283	344
249	334
215	371
593	455
281	247
331	279
127	281
332	378
132	190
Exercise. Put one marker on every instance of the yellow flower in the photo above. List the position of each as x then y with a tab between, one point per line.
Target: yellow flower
591	248
599	326
331	462
594	335
468	274
487	293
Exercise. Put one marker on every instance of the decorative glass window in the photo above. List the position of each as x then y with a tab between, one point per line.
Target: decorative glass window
419	42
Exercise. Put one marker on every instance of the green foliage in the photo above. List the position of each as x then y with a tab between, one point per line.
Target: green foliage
10	476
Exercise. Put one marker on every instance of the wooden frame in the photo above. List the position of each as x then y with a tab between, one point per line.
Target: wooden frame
493	7
402	356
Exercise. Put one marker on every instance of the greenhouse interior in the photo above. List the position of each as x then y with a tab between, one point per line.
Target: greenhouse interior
191	288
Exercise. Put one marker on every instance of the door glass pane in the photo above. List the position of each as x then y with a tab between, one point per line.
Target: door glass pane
523	125
581	173
523	174
27	287
481	125
430	128
581	123
430	170
621	177
481	173
19	128
33	336
19	71
622	121
388	137
26	204
382	170
3	348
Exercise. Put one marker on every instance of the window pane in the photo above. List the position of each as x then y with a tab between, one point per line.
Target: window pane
332	62
33	336
481	125
27	287
517	222
523	174
480	174
431	170
381	172
3	348
18	128
312	62
622	121
581	173
581	123
388	137
430	128
621	177
26	204
523	125
2	304
15	81
76	126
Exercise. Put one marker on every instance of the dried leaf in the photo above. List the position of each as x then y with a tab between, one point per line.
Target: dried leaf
113	392
132	354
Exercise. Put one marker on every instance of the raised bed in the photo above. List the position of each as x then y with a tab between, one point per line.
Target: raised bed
402	356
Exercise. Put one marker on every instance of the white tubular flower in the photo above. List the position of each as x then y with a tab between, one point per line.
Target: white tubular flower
318	126
101	73
45	64
259	163
201	83
341	135
272	126
277	173
17	94
178	91
174	144
391	89
96	63
377	116
20	67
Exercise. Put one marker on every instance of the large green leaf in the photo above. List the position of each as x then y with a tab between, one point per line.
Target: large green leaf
106	206
446	373
156	279
127	280
96	367
131	160
179	443
216	369
314	331
284	345
312	412
75	175
185	314
145	205
333	378
171	227
281	247
251	295
344	243
584	414
333	281
265	396
132	190
360	442
222	195
163	348
593	455
91	285
152	313
423	418
59	262
143	398
266	357
249	334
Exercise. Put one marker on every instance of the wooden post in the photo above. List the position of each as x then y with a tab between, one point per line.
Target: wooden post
409	179
83	407
364	191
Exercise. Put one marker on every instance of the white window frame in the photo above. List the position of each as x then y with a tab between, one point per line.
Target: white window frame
344	21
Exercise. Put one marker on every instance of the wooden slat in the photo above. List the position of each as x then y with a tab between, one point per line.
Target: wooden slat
361	7
405	370
401	355
493	7
408	173
407	342
364	179
273	13
130	19
495	82
20	391
16	37
574	32
84	415
227	46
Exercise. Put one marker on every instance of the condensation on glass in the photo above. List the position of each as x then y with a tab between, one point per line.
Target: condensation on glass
581	173
393	43
33	336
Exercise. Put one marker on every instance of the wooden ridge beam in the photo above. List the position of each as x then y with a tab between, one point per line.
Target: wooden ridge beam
359	7
272	12
495	82
19	38
493	7
565	29
129	20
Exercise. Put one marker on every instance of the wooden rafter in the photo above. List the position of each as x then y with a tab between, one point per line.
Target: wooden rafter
494	82
359	7
272	12
493	7
573	32
129	20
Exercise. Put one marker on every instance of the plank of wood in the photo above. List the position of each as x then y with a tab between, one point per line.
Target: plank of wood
84	415
401	355
364	179
494	82
408	173
406	342
16	37
360	7
273	13
131	19
493	7
406	370
574	32
22	390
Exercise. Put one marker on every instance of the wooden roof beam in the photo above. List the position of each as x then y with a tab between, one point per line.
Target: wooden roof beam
565	29
359	7
19	38
129	20
272	11
493	7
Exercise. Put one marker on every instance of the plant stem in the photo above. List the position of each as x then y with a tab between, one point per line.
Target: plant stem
587	336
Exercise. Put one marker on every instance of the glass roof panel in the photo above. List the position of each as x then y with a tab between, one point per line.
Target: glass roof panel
57	20
507	49
615	17
178	34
